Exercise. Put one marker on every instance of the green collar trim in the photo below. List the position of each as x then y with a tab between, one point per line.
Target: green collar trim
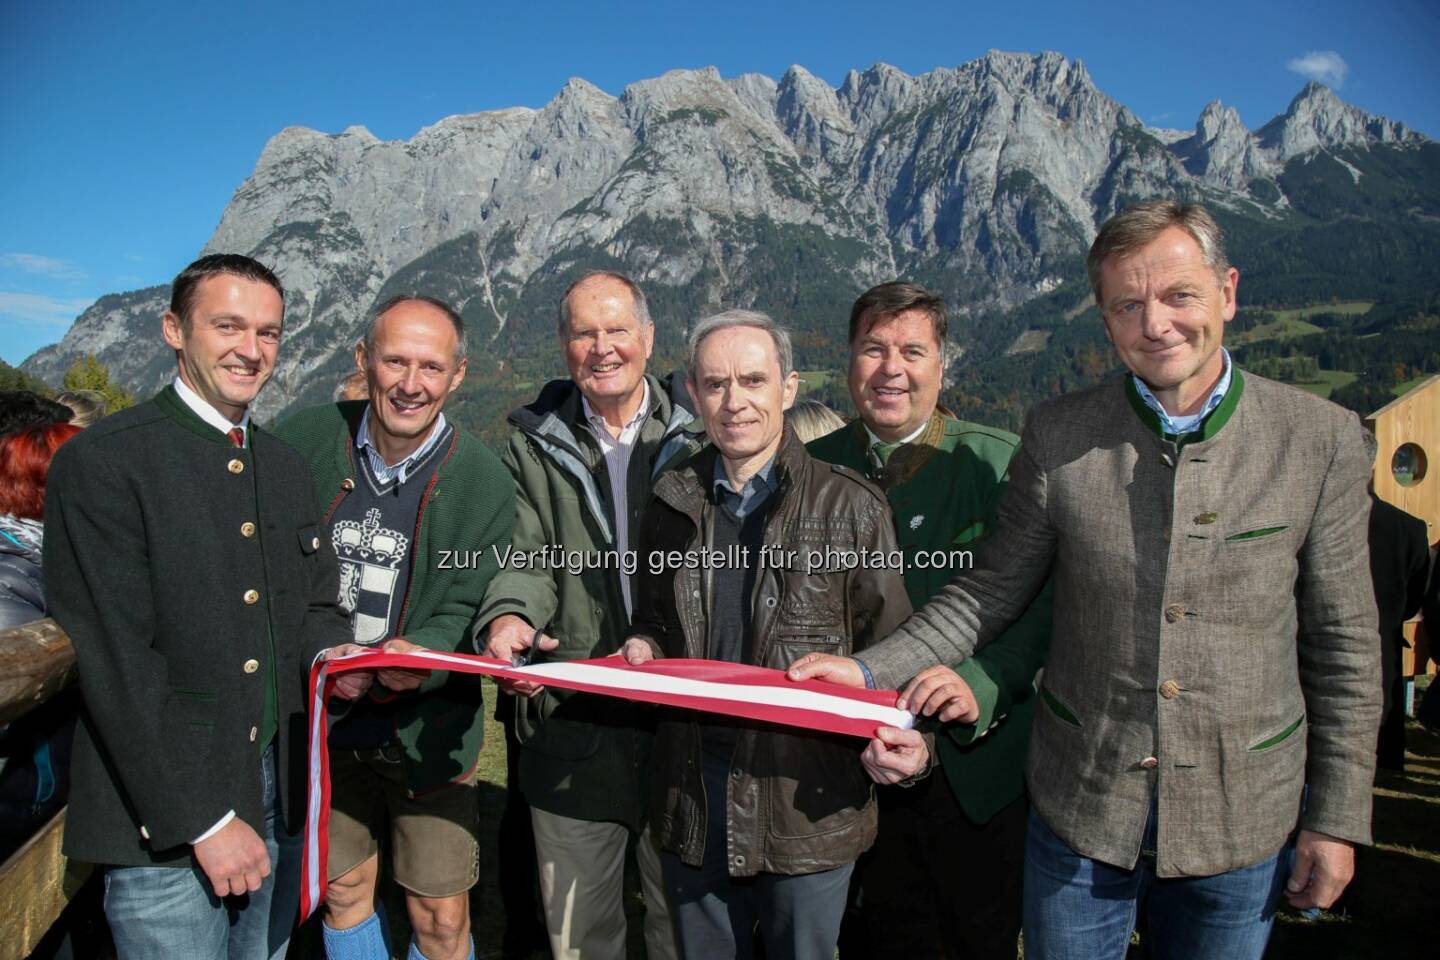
1208	427
172	406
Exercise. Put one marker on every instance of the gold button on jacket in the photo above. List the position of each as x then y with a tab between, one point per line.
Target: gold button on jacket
247	529
235	466
252	596
1169	689
251	666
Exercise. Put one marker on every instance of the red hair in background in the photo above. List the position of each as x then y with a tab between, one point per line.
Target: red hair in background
24	465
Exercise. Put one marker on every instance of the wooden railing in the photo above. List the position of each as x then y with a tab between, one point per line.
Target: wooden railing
36	882
36	662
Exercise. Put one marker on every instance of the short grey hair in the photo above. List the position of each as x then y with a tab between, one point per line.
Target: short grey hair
393	302
1136	226
741	318
641	308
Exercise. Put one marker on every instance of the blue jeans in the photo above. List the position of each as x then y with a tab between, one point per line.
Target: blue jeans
162	912
1081	909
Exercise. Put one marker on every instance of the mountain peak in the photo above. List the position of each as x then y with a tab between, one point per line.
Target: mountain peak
1221	148
1317	118
580	90
1315	91
1045	69
1218	120
877	90
798	74
809	111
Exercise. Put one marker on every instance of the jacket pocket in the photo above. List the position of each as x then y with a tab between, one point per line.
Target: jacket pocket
813	590
1277	738
1257	533
813	604
188	725
1058	708
819	788
192	708
544	724
970	533
309	539
790	646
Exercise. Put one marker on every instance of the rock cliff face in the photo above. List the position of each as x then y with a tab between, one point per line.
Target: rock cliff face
987	180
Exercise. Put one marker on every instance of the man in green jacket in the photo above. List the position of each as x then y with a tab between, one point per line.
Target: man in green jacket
388	470
943	478
585	456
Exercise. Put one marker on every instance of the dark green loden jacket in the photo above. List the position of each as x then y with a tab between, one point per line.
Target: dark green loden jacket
943	489
466	515
583	756
178	565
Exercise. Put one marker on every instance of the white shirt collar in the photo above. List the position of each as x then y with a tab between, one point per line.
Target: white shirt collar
209	414
905	439
401	469
599	422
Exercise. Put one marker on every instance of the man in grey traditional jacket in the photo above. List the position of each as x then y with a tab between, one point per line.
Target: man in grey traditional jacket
1213	680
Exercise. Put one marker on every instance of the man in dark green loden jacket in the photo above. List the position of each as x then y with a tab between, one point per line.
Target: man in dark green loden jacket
585	456
943	478
419	514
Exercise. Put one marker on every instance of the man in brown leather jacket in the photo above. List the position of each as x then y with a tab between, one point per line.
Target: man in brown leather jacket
780	555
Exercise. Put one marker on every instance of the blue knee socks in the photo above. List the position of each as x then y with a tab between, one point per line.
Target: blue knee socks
364	941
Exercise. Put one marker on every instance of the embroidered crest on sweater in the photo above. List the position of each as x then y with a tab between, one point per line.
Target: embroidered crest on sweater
370	556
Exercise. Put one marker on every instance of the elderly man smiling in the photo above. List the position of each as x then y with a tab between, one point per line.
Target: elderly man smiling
584	456
759	825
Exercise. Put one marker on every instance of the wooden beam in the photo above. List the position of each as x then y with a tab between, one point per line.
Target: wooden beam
35	887
36	662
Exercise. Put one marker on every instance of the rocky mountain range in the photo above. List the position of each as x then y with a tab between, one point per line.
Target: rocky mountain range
986	181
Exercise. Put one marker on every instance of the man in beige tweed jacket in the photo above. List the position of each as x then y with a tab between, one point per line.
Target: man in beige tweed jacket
1214	675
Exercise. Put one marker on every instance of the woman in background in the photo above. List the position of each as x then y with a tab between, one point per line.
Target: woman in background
88	405
811	419
35	749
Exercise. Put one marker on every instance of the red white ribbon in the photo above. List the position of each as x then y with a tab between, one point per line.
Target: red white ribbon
731	689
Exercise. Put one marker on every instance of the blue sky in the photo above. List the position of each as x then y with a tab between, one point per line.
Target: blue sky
126	127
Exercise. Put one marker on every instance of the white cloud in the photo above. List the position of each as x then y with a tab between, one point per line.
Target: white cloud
45	266
38	310
1326	66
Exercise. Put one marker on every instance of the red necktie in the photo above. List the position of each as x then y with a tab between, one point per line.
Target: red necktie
237	436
